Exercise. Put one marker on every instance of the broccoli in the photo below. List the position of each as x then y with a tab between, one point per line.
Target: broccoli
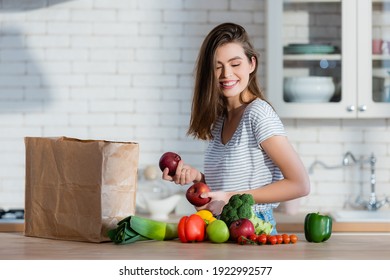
240	206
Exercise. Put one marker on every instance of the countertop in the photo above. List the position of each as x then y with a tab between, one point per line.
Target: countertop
349	241
341	246
285	223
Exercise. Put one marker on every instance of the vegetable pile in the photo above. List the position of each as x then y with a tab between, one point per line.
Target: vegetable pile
240	206
238	223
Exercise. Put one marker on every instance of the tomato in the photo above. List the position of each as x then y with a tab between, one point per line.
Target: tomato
286	238
293	238
279	239
271	239
218	231
242	240
262	239
253	237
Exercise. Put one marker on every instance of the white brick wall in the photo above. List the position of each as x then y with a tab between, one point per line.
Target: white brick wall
122	70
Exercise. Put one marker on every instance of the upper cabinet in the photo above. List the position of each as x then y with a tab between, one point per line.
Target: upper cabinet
329	58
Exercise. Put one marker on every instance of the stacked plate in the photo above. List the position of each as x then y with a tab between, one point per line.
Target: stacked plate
309	49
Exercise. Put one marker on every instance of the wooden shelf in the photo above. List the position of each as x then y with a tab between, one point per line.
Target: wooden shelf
381	56
312	1
292	57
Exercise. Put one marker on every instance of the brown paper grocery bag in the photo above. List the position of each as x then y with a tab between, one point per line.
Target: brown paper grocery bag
78	189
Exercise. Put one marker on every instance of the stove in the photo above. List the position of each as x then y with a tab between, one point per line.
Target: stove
11	220
12	215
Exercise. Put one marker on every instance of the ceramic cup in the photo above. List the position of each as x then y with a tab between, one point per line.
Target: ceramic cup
377	45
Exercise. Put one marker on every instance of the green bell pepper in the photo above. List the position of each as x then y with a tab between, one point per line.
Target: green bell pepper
318	228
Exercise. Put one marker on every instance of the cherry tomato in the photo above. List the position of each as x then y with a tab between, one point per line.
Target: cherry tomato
262	239
293	238
271	239
253	237
279	239
242	240
286	238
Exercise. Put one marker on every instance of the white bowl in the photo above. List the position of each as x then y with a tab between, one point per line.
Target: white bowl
159	209
309	89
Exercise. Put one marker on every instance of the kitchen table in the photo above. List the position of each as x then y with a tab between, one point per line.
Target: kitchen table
341	246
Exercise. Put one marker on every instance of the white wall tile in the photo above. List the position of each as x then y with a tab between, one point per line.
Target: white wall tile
207	4
123	70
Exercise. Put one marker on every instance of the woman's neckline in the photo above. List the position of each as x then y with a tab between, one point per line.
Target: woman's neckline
243	108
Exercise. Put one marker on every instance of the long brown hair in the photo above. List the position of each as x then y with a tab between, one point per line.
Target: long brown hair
208	103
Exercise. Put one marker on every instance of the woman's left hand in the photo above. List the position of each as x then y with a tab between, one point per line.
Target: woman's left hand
218	201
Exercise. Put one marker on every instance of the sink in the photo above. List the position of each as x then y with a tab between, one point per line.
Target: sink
361	216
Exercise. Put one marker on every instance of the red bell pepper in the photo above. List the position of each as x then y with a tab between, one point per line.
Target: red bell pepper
191	228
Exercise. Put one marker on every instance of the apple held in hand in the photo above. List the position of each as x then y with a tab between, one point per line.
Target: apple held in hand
194	192
170	160
241	227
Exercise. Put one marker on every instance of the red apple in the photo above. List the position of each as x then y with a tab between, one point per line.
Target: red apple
241	227
170	160
194	192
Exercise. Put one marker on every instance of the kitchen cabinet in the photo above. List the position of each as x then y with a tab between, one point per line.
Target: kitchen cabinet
333	39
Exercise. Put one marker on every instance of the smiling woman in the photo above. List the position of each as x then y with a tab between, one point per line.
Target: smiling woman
233	71
248	150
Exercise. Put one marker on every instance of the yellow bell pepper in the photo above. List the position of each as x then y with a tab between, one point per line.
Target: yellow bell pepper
206	215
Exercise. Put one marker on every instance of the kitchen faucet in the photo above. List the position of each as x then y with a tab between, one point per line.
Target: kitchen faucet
373	203
348	156
349	159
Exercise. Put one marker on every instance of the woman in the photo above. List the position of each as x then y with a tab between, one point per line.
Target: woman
248	149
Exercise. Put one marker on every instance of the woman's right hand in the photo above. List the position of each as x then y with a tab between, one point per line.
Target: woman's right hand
185	174
218	200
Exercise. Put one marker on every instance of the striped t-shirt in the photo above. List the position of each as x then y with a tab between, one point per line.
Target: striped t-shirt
241	163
